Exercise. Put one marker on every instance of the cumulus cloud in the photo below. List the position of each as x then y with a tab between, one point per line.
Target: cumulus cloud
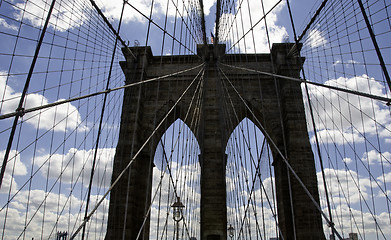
78	163
276	33
345	196
59	118
14	168
342	117
353	220
374	157
337	136
387	179
340	183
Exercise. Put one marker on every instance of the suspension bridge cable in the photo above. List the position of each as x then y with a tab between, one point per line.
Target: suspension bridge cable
4	116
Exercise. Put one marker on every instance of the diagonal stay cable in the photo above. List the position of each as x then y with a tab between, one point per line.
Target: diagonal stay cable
22	112
282	156
375	97
312	20
134	157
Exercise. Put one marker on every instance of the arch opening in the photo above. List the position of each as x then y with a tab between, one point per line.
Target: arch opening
251	200
176	173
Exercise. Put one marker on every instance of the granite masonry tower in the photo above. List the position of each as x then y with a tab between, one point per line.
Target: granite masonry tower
147	104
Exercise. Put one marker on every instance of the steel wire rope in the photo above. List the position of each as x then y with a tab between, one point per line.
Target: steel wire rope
158	26
385	74
344	195
49	32
235	145
339	103
39	168
35	144
230	151
254	46
252	27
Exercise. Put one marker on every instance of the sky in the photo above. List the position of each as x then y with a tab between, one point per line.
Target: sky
55	148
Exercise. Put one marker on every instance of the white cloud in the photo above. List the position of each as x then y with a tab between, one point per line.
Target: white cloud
347	160
348	63
374	157
14	168
276	33
338	137
60	118
349	116
76	162
340	183
4	24
342	189
353	220
387	178
316	38
66	14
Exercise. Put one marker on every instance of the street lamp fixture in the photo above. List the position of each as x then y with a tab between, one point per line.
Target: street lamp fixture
177	210
177	214
231	232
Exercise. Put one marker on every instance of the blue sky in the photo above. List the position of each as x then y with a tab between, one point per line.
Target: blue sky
75	59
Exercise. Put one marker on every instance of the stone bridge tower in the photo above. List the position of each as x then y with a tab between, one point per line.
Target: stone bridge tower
146	105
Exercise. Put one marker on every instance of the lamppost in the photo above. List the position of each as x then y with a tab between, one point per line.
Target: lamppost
177	214
231	232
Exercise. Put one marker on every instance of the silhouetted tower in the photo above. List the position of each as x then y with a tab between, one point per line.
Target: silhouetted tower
147	104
